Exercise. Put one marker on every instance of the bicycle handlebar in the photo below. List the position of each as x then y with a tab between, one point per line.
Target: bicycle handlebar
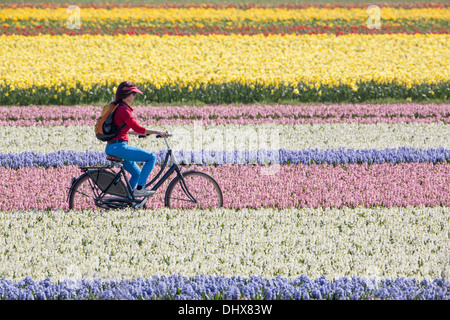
157	136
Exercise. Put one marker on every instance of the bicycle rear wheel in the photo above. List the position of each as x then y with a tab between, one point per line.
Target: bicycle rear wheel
205	190
83	194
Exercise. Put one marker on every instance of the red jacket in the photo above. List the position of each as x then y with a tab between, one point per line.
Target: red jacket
123	114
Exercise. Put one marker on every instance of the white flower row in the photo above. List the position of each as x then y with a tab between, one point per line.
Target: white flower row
237	137
365	242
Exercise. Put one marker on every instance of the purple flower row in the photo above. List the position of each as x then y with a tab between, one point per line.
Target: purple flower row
177	287
205	157
170	115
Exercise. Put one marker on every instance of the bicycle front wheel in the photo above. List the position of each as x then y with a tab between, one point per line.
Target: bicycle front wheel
205	192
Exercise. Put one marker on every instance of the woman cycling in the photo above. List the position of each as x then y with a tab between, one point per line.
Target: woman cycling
118	146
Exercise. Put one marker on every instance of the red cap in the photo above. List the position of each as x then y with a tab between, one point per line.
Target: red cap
133	89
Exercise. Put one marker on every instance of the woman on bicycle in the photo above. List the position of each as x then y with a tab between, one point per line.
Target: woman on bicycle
118	146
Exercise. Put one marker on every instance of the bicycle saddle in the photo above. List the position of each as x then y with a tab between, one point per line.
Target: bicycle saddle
113	158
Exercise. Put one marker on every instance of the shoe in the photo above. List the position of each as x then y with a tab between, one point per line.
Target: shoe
143	193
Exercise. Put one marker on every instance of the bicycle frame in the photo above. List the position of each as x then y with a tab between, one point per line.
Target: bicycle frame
173	168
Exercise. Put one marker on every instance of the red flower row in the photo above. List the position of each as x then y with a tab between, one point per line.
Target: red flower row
208	30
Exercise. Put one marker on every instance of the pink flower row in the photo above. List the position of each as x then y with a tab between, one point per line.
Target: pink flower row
408	184
224	114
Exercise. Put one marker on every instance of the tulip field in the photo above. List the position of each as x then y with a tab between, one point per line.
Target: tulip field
329	140
223	54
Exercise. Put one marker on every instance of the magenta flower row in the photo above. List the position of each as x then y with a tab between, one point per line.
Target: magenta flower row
349	185
253	114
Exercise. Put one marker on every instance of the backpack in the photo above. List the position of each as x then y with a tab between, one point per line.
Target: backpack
105	129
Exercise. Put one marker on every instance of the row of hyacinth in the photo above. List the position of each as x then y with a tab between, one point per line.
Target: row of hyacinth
206	287
379	243
247	186
251	137
260	157
223	114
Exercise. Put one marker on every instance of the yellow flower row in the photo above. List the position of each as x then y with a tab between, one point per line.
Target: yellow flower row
105	16
65	61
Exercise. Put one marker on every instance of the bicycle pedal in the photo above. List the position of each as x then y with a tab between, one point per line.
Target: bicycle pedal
141	204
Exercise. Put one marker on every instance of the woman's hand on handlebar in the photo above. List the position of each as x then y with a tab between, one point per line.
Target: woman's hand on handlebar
159	134
162	134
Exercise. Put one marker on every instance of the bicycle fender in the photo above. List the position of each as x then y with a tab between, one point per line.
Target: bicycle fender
74	182
174	180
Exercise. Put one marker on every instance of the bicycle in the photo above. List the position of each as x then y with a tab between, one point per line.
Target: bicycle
102	187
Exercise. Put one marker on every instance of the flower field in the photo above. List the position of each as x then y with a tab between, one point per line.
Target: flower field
353	199
190	19
195	53
322	200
